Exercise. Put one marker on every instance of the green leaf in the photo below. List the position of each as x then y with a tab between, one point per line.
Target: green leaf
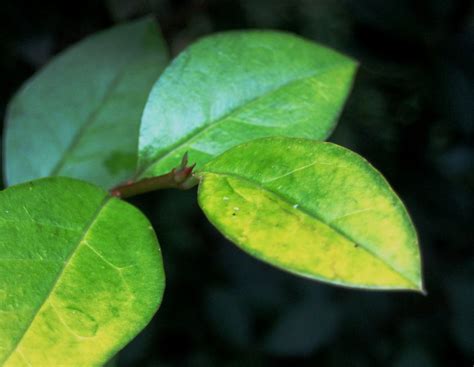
238	86
80	115
313	209
80	274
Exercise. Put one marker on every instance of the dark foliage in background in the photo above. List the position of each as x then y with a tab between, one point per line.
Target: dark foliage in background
411	114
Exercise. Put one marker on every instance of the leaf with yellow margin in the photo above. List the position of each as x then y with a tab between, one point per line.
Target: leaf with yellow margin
314	209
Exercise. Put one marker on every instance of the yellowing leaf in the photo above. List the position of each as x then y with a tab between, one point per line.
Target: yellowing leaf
80	274
314	209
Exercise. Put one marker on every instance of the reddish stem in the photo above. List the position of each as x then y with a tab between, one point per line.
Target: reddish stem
181	178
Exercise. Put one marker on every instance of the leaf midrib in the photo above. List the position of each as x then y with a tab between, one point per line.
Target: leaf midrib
316	217
67	261
202	130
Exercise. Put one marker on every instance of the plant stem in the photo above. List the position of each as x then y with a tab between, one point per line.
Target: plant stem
181	178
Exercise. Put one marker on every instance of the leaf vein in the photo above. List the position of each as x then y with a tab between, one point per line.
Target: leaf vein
104	259
296	170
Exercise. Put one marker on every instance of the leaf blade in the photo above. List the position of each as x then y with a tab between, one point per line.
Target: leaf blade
87	284
238	86
83	109
261	198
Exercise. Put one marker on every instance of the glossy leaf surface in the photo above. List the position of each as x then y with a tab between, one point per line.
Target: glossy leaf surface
80	274
79	116
314	209
238	86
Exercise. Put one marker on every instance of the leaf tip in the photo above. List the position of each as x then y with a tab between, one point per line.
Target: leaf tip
419	287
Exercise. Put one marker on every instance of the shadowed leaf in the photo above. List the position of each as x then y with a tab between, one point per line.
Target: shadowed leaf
79	116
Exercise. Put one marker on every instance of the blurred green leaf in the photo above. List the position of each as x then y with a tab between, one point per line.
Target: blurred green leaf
237	86
81	274
314	209
80	115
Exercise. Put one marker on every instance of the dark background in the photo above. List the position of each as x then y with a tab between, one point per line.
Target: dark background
411	114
